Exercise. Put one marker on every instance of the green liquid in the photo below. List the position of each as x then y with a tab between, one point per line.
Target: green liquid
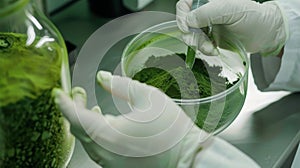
180	82
33	132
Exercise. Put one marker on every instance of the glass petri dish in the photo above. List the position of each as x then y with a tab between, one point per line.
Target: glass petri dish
211	113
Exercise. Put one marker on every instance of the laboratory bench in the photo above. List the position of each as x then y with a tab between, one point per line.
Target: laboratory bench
267	128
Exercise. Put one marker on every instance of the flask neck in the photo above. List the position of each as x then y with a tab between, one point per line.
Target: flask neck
8	7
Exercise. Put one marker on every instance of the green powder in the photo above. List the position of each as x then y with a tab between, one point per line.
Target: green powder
32	131
179	82
170	74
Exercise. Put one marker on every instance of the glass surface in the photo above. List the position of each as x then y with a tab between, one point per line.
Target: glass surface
33	61
212	113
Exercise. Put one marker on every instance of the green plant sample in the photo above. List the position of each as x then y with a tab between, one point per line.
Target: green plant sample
32	131
170	74
178	81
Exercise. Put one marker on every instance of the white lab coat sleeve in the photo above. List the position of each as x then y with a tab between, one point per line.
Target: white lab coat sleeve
219	153
272	73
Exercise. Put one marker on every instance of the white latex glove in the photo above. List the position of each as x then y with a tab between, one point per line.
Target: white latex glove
157	133
260	27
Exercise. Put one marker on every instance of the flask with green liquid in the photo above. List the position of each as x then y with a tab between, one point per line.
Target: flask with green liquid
33	61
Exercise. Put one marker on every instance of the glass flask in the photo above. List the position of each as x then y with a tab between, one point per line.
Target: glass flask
33	61
227	73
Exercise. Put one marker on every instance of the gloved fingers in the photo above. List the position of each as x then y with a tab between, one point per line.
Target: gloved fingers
69	109
183	12
204	16
105	79
82	121
183	7
79	96
64	103
190	39
127	89
219	12
202	42
97	109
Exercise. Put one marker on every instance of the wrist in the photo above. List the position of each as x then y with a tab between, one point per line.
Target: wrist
192	144
279	31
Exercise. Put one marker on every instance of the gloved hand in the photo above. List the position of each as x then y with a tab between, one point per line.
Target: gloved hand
157	133
261	28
